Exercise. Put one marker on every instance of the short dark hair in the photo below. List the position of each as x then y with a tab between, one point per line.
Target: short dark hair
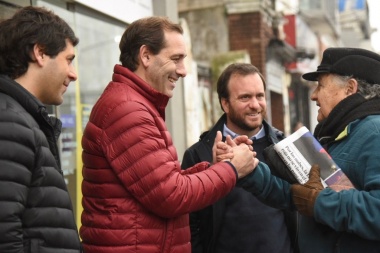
242	69
146	31
27	27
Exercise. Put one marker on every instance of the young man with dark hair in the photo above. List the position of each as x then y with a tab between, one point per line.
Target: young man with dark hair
36	54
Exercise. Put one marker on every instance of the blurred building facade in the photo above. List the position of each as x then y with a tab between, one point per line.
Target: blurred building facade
283	38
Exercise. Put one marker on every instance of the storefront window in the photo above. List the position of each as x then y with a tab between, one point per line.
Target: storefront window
96	55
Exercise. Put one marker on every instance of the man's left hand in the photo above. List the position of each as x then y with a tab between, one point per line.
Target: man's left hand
304	196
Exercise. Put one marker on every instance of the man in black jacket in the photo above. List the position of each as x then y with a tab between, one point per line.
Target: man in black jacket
240	222
36	54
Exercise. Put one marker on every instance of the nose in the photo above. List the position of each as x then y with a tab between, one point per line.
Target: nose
72	73
313	95
254	103
181	70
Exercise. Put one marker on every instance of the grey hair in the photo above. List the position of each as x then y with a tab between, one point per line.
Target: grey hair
367	90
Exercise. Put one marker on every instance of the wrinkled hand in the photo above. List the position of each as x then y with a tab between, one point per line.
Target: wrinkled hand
304	196
237	152
244	160
223	151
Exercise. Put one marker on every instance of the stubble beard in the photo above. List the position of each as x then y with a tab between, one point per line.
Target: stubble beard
239	121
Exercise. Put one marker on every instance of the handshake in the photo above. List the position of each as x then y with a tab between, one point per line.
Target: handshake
239	152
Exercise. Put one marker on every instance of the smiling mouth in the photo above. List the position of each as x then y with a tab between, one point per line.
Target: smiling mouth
172	80
254	114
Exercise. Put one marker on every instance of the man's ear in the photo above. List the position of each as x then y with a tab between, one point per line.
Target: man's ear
224	103
145	55
352	86
38	55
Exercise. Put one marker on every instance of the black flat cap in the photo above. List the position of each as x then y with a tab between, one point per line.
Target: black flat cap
357	62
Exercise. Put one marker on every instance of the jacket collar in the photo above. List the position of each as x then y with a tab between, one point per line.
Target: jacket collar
351	108
124	75
259	135
29	102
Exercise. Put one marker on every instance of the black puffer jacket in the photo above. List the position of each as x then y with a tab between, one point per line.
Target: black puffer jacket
35	209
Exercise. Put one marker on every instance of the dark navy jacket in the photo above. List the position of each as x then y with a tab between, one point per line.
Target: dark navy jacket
206	224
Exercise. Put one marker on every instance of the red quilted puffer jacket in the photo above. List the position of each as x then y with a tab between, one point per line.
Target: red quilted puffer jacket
136	198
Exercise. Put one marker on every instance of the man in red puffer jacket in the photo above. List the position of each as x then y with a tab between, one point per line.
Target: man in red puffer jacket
136	198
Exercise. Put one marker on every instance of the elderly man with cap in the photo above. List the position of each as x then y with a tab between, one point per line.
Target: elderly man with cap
348	96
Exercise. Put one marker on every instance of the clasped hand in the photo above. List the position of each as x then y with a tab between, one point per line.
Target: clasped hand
238	151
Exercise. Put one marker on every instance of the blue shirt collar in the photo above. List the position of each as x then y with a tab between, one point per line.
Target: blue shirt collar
260	134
